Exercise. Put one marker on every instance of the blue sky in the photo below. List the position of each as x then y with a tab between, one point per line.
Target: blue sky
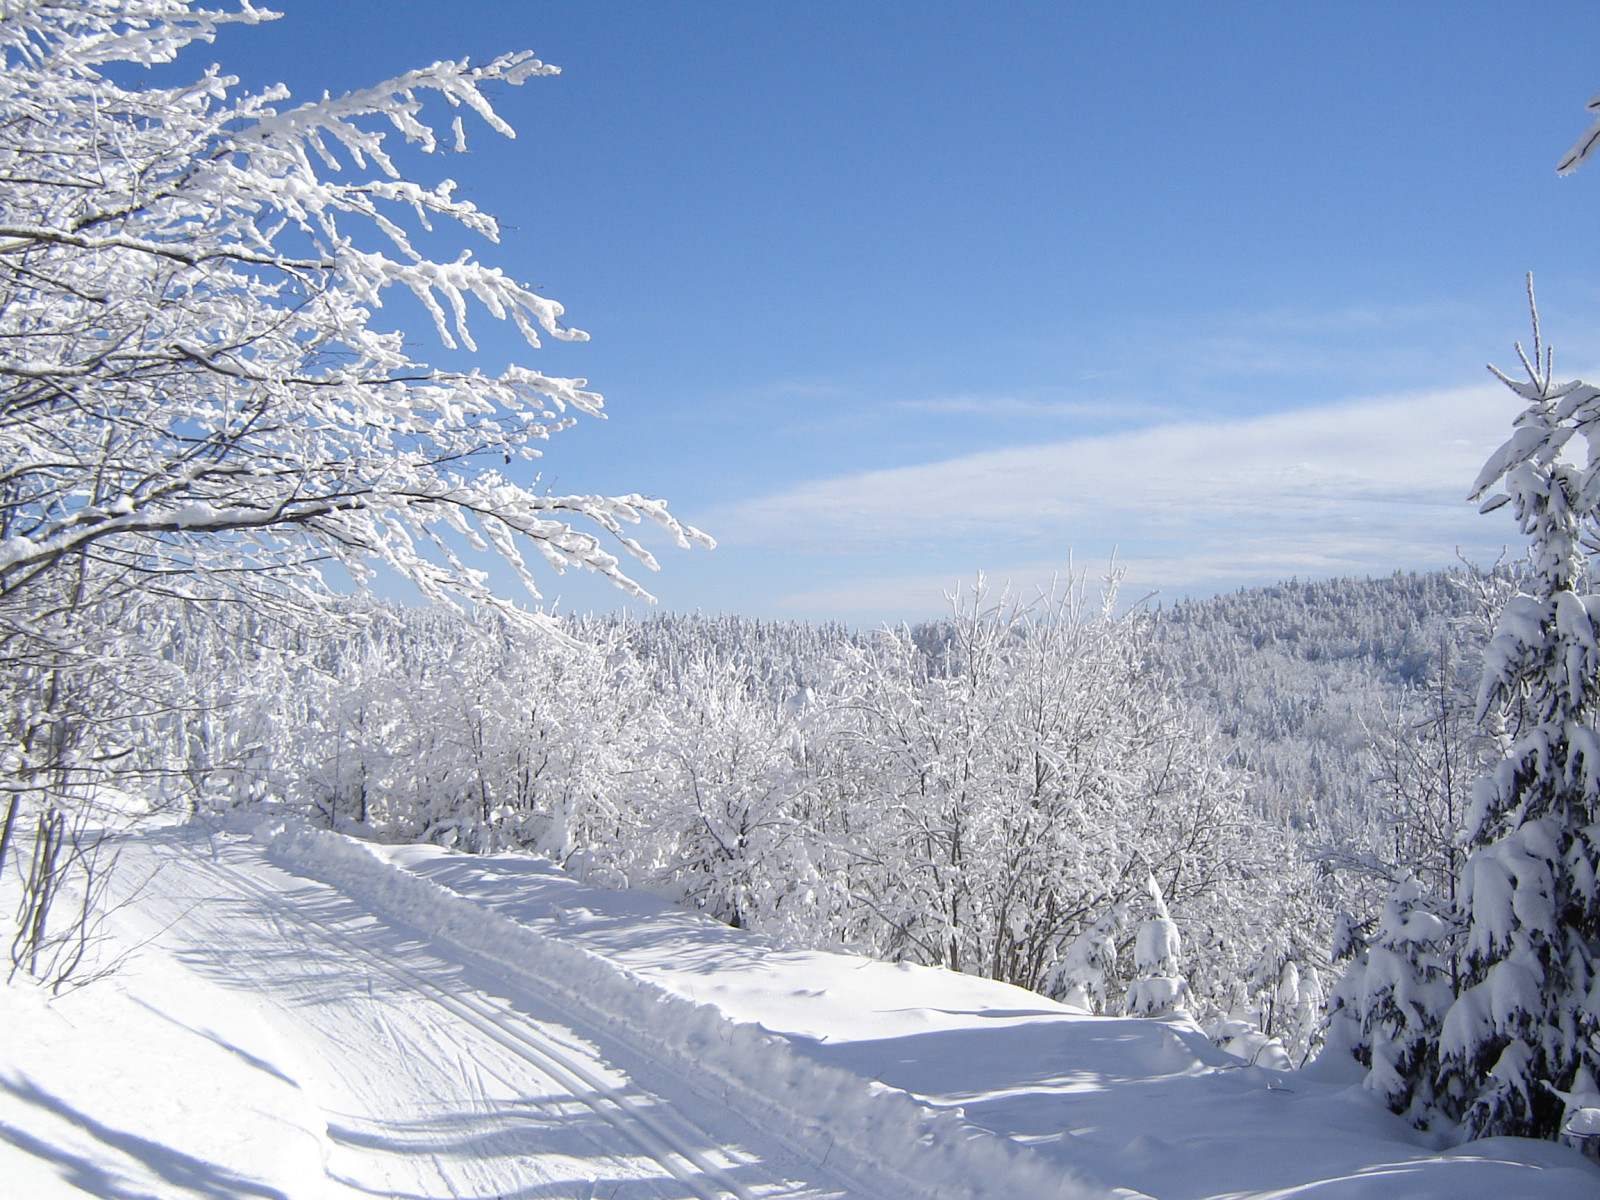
885	294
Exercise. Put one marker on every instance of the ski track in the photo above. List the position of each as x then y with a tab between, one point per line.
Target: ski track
371	1004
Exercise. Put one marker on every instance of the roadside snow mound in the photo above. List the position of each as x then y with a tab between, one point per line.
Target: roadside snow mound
866	1127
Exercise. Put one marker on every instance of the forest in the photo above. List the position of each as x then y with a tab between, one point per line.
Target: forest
1011	791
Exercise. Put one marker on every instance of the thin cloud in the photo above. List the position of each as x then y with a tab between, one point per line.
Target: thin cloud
1349	488
1026	407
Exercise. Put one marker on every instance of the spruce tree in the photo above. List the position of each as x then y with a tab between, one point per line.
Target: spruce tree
1158	988
1405	988
1526	1024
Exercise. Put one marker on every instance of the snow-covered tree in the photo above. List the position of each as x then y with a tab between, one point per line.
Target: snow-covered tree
193	382
724	799
1158	987
197	400
1526	1025
1390	1004
1016	772
1082	975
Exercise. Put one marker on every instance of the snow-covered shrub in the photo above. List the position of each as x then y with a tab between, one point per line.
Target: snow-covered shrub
1083	975
1282	998
725	800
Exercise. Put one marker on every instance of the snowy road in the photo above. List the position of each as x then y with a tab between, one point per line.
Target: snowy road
304	1016
440	1076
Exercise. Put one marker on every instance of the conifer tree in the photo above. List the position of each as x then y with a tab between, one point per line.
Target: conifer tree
1158	988
1526	1026
1405	987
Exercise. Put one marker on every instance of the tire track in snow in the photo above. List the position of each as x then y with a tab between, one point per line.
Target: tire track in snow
673	1153
285	915
478	1180
464	1176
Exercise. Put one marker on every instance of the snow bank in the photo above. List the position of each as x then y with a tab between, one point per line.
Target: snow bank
866	1128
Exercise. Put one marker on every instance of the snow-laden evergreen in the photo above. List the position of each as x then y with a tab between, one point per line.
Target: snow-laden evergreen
1392	1000
1526	1026
1158	988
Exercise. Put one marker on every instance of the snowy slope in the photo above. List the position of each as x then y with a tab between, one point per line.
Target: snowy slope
1140	1104
307	1016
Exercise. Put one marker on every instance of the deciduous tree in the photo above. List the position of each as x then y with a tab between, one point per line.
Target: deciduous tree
198	400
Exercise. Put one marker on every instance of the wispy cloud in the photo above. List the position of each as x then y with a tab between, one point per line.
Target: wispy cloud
1027	407
1362	486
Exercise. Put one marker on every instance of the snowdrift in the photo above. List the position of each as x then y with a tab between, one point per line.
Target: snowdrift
878	1131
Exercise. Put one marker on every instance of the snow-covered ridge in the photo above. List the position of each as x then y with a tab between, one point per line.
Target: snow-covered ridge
867	1128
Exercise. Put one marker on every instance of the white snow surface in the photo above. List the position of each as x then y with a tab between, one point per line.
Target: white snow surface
304	1015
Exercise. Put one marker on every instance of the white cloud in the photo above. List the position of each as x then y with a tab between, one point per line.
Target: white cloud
1361	486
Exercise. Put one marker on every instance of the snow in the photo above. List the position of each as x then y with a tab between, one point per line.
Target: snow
144	1088
303	1015
1157	945
1584	1122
